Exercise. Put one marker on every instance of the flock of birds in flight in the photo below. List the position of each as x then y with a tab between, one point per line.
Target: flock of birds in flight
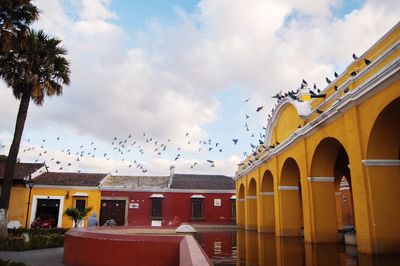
314	92
127	147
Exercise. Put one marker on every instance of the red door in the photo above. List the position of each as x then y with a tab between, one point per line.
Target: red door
112	209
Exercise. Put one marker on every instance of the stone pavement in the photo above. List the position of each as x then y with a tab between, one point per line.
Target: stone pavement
38	257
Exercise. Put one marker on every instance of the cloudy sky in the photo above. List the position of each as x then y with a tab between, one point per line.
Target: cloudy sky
164	82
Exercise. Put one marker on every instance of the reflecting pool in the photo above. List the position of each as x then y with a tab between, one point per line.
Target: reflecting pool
240	247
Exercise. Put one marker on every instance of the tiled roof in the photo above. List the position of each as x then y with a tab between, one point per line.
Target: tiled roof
69	179
214	182
22	170
140	182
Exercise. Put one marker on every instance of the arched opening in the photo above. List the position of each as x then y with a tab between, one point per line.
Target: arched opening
251	201
290	200
383	177
240	205
331	191
267	203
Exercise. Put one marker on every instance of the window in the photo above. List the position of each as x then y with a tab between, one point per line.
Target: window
80	204
197	209
156	208
233	203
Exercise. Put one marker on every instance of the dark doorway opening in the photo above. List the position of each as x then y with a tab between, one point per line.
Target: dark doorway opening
112	209
47	211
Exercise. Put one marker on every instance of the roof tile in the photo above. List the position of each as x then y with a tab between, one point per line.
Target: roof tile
22	170
214	182
69	179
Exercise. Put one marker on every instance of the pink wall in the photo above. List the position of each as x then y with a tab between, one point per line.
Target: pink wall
176	208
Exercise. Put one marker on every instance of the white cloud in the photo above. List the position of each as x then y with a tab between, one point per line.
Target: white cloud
167	84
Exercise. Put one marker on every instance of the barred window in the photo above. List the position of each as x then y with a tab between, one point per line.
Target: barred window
197	208
156	207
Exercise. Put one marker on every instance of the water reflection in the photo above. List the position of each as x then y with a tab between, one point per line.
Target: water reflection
242	247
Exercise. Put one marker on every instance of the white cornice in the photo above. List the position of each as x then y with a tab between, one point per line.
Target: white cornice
321	179
267	193
382	163
288	188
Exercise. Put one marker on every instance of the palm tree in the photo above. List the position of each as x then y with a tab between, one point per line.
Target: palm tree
36	68
76	215
15	18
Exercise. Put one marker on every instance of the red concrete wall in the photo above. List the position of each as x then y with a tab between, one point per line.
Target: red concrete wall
85	248
94	246
176	207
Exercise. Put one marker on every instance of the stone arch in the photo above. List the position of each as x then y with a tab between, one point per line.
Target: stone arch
285	120
251	205
240	205
267	203
290	200
267	183
332	205
383	173
252	191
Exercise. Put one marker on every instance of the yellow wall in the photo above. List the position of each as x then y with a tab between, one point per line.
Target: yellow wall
93	200
18	204
286	124
364	135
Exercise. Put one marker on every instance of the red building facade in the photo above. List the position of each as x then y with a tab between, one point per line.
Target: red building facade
165	202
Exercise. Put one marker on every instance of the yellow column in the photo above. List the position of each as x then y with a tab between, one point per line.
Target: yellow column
361	199
268	212
240	213
251	212
385	188
290	211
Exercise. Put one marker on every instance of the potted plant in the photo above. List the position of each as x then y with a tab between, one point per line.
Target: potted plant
77	215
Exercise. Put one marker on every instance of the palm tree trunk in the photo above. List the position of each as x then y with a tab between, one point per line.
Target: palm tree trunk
12	160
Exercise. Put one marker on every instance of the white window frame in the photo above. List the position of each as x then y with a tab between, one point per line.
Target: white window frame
34	208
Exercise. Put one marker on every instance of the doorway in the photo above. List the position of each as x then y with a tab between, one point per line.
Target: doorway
112	209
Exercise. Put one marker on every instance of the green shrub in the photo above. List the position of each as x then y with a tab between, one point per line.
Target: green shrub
55	240
16	243
37	241
38	238
11	263
37	231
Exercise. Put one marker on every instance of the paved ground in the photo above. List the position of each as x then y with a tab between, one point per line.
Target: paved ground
39	257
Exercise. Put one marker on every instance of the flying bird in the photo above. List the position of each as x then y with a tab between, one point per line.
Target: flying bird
259	108
328	81
235	141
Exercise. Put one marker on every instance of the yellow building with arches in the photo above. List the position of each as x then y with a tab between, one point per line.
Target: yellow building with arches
317	149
